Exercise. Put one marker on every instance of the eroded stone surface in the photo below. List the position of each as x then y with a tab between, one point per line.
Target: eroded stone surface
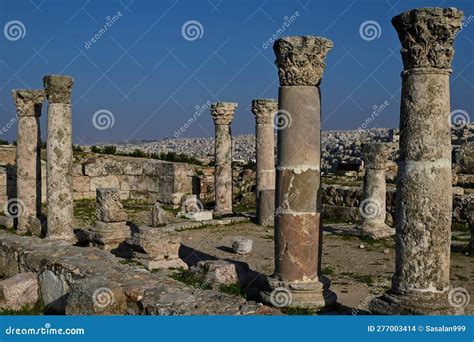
59	158
242	245
300	59
373	205
223	113
158	216
300	62
109	207
19	292
427	36
28	157
264	111
424	184
146	293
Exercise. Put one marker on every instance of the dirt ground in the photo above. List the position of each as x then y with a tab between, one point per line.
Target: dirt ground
359	269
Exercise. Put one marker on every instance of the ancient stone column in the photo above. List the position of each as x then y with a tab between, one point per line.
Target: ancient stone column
264	110
420	284
297	280
373	205
28	156
59	188
223	113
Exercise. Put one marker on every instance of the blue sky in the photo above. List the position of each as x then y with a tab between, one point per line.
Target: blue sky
150	78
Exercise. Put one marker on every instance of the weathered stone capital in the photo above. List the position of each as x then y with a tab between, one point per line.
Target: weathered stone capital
223	112
300	59
28	102
427	36
375	155
264	110
58	88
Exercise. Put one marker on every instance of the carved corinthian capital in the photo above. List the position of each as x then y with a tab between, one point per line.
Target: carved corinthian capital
223	112
28	102
300	59
264	110
58	88
427	36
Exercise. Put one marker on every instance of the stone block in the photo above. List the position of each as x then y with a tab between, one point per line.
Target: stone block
242	245
19	292
156	243
217	272
96	296
204	215
81	183
158	216
53	289
109	207
94	169
109	181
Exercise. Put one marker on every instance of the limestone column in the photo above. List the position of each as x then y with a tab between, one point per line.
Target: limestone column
59	188
28	156
223	113
373	205
297	280
264	110
421	284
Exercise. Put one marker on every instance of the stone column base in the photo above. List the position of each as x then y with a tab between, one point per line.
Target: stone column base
426	303
303	294
109	235
378	231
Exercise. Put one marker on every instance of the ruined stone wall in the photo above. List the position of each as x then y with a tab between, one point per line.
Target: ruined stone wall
341	203
137	178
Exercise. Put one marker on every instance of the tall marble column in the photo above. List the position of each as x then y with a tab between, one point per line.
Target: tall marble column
28	156
297	279
59	158
421	284
223	113
373	205
264	110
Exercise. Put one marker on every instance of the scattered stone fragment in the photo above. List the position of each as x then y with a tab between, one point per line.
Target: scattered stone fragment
109	207
205	215
158	216
217	272
242	245
6	221
155	248
19	292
